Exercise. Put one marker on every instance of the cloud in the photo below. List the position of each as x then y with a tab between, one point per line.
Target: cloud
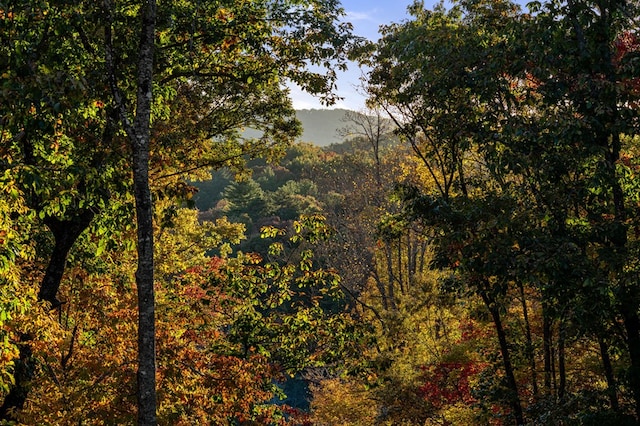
351	98
303	100
365	23
361	16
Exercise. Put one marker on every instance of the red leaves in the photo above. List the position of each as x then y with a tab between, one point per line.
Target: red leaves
449	382
216	263
625	43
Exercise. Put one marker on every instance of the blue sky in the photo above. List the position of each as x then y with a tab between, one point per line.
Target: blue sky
366	17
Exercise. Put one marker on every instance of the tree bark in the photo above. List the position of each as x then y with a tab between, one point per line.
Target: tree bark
632	327
24	368
514	398
608	373
391	278
530	349
562	371
65	233
139	135
547	340
144	215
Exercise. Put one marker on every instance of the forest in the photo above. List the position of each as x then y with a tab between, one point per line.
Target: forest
466	253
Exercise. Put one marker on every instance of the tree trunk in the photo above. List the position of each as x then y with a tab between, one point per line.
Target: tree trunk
65	233
412	256
381	289
547	339
632	327
514	398
529	349
391	278
608	373
401	281
144	216
562	371
139	134
24	368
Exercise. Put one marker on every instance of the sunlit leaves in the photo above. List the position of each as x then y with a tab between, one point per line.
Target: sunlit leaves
524	125
229	327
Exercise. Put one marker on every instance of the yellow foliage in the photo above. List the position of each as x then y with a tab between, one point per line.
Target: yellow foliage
457	414
85	352
16	296
340	402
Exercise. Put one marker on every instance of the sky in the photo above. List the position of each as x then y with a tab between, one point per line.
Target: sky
366	16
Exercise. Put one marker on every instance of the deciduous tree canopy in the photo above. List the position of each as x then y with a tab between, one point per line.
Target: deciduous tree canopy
467	255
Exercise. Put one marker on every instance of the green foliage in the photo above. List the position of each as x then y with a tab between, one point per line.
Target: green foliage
246	200
70	93
289	315
519	122
501	272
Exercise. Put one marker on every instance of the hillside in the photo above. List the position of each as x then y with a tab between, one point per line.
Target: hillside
320	126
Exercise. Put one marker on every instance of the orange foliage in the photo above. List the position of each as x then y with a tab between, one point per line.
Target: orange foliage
85	352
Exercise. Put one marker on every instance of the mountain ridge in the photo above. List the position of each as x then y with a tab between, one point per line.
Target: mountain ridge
321	126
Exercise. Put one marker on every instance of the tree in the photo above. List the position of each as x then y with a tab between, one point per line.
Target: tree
249	47
226	339
139	134
374	129
585	64
354	180
246	202
520	132
441	112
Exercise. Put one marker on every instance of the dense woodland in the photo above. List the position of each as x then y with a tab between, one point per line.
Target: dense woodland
468	253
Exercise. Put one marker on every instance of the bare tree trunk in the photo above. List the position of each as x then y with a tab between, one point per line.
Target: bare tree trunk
530	350
139	134
144	215
514	398
381	289
608	373
411	261
391	278
401	281
632	326
547	339
562	371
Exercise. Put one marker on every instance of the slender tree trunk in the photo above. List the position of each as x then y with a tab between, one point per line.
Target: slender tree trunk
381	289
391	278
514	398
401	281
144	215
547	340
562	371
530	350
608	373
423	250
461	177
632	326
146	296
411	261
554	376
139	134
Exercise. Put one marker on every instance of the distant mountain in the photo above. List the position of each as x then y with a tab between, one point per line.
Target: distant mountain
320	126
